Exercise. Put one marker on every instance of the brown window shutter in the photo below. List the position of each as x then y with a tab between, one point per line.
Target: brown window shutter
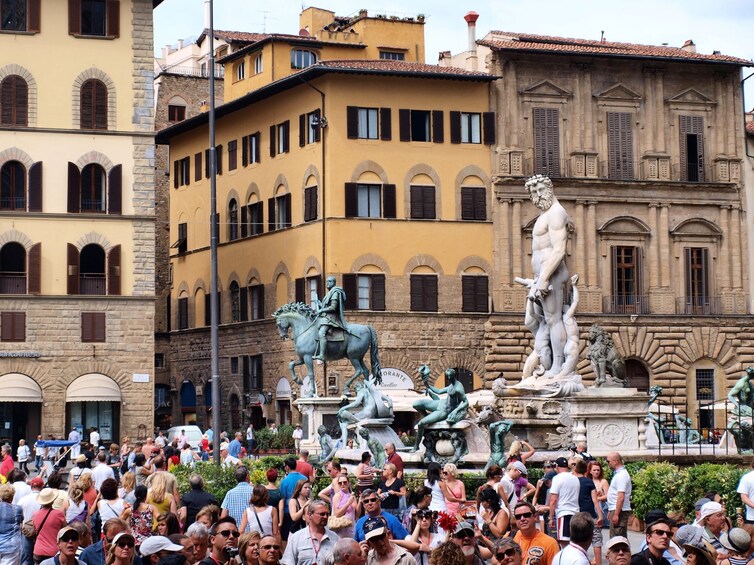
176	173
113	18
404	124
455	127
480	204
388	201
428	202
73	269
301	130
115	190
386	126
488	124
467	204
6	326
100	105
35	187
19	326
35	269
438	127
100	326
34	16
300	290
416	202
86	115
287	204
74	17
233	155
244	150
197	167
430	293
74	188
351	290
244	296
257	150
219	159
286	136
378	292
271	214
207	308
244	221
272	141
206	163
416	292
8	100
318	127
352	122
113	271
21	102
352	200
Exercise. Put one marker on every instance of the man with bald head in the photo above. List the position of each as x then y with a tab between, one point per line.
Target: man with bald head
348	552
270	550
618	496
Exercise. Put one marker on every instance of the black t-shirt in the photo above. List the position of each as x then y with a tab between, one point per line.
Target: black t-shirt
392	501
586	504
194	500
646	558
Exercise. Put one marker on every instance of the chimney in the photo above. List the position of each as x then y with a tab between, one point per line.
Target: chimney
689	46
471	59
165	52
180	44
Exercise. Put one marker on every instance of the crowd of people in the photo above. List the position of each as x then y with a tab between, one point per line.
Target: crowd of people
121	504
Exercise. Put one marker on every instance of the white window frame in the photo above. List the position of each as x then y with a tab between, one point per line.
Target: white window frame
369	198
471	127
258	64
368	120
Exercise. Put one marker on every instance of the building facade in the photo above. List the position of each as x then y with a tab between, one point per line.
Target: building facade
77	219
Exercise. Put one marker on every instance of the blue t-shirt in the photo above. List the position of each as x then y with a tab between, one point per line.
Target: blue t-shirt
234	448
586	504
395	527
288	485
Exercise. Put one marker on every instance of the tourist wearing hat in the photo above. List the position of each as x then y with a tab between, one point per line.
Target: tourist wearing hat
658	535
618	496
68	544
225	456
29	505
465	538
564	501
122	551
700	553
618	551
47	522
712	519
507	486
373	509
698	508
155	548
736	542
81	466
382	550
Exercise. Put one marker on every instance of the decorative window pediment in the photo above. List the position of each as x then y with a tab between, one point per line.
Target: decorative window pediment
690	98
625	226
696	228
619	95
546	90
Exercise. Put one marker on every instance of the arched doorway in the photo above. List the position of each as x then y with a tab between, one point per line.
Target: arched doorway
20	409
637	374
93	401
188	403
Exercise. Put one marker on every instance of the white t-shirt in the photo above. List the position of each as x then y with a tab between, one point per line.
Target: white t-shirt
570	554
23	453
621	483
507	491
438	498
437	540
94	438
746	486
101	472
567	487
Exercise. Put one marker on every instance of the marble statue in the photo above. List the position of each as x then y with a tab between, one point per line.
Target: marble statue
326	444
498	430
371	404
605	359
330	315
451	409
379	456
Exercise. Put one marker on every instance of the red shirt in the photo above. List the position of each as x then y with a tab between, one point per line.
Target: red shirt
8	465
396	460
304	468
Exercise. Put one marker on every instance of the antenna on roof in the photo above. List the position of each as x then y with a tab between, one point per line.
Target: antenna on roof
602	36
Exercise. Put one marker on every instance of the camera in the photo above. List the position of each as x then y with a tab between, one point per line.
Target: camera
426	513
231	552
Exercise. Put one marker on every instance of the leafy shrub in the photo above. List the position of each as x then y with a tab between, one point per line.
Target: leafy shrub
721	478
657	485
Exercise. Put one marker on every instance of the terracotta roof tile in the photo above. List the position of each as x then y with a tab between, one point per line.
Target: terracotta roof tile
507	41
750	128
387	66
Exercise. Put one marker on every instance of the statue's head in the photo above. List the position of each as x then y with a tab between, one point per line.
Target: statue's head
363	432
322	430
540	191
424	371
450	375
330	281
750	372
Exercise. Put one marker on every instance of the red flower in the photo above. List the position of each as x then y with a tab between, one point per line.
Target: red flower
447	521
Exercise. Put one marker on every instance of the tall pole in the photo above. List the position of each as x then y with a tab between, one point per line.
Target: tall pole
214	299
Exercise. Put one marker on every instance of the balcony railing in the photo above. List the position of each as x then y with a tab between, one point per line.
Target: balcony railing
699	305
92	284
194	71
690	174
89	205
12	283
13	203
626	304
629	171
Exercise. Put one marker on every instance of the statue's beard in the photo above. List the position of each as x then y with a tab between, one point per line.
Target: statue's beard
543	202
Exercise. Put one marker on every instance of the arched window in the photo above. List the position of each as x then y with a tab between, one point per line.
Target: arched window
235	302
93	188
92	279
14	100
301	58
93	105
13	186
12	269
233	220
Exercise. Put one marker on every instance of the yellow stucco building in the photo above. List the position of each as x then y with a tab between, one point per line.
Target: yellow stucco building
76	218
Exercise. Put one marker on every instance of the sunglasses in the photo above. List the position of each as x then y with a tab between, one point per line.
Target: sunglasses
125	543
369	500
228	533
620	549
66	539
342	482
510	552
464	534
524	515
270	547
662	532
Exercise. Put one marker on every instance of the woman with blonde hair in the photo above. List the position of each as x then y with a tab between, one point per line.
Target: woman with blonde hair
391	489
127	488
122	550
160	497
455	489
75	507
260	516
516	449
248	547
344	506
90	494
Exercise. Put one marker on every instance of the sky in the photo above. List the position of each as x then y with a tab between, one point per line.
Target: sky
722	25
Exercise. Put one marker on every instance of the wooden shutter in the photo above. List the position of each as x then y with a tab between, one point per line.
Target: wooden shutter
7	100
6	326
74	188
206	163
113	271
35	187
86	114
619	145
272	141
352	122
378	292
438	126
318	127
73	269
638	271
207	308
34	16
244	221
416	203
467	204
489	135
388	201
386	126
245	150
176	173
21	101
300	294
100	104
271	214
352	200
301	130
416	292
233	155
13	326
455	127
260	299
115	190
480	203
35	269
546	141
286	136
219	159
74	17
198	167
287	204
113	18
244	296
404	124
310	203
352	292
